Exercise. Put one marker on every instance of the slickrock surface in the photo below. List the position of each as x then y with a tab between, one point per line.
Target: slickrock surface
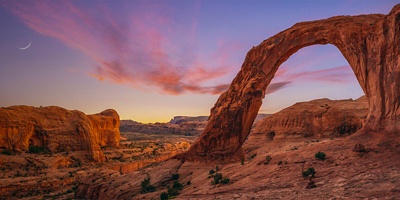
58	130
370	43
344	174
319	118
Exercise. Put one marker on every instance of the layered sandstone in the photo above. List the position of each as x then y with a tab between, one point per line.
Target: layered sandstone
370	43
316	118
58	129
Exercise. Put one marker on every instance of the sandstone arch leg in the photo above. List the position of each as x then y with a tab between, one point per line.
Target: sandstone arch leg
371	45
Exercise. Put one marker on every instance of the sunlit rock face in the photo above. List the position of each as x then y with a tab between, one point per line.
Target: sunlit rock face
58	129
371	45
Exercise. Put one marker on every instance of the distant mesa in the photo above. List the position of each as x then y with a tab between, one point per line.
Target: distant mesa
58	130
181	119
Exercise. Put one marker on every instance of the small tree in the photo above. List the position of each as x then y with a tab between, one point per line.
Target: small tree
310	173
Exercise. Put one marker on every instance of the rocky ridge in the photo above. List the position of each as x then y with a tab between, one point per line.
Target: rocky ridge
317	118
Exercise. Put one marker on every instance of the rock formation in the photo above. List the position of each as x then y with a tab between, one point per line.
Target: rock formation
371	45
318	118
58	129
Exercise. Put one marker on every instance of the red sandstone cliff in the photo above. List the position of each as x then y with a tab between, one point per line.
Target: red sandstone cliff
58	129
321	117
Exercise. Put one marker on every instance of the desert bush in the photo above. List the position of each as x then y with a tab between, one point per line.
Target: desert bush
177	185
146	186
253	156
211	171
225	180
217	178
37	149
6	152
175	176
267	159
188	183
164	196
320	155
309	173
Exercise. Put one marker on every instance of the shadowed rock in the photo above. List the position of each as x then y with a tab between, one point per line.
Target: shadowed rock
371	45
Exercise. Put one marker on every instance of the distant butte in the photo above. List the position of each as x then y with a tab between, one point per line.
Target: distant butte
371	45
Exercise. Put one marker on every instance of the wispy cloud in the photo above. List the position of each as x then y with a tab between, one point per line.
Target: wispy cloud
142	48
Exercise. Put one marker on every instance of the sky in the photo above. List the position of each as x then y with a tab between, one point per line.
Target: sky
152	60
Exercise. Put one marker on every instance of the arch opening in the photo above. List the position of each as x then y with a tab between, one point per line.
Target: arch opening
313	94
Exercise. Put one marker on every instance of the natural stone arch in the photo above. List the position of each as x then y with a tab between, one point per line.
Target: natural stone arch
370	44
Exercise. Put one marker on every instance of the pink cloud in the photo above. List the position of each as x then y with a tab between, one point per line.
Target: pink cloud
140	49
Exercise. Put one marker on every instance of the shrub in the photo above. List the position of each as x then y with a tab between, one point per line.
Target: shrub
188	183
253	156
225	180
320	155
267	159
175	176
310	173
212	171
164	196
146	186
6	152
177	185
172	192
217	178
37	149
216	168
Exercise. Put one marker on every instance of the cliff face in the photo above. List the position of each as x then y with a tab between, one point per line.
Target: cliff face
370	43
106	127
322	117
57	129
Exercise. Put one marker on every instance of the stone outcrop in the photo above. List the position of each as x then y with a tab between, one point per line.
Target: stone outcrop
316	118
371	45
58	129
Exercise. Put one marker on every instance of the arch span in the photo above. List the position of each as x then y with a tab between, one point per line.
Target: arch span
370	44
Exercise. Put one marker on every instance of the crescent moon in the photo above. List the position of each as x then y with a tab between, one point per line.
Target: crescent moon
23	48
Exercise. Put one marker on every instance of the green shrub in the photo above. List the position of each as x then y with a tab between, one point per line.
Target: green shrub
225	180
6	152
172	192
164	196
216	168
177	185
310	173
212	171
253	156
188	183
267	159
217	178
175	176
146	186
320	155
37	149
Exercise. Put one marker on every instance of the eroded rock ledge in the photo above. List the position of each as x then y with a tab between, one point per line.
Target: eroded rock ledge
58	129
